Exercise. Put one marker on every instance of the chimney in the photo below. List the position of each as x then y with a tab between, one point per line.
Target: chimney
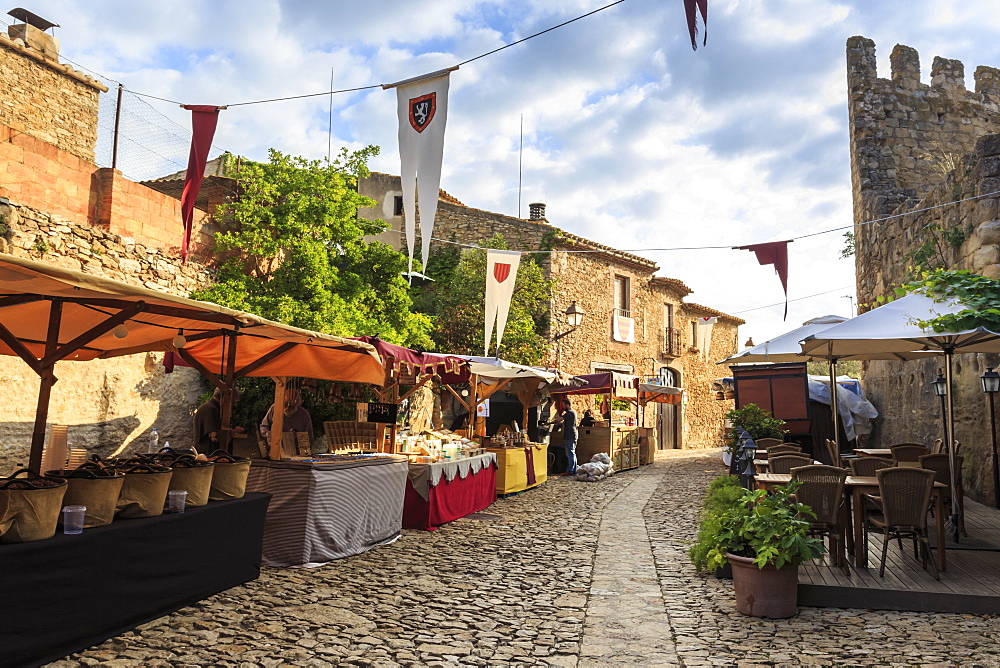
32	33
536	211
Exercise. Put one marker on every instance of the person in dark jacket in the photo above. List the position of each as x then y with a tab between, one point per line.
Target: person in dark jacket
568	420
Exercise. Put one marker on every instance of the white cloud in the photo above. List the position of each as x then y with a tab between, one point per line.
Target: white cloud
631	138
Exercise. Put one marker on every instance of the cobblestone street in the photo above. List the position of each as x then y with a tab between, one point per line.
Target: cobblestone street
569	574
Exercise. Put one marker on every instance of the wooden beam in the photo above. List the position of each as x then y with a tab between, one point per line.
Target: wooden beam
47	380
414	389
83	339
17	300
277	418
226	434
261	361
161	309
15	344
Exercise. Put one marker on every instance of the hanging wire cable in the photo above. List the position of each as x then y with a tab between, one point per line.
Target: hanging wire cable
352	90
797	299
727	246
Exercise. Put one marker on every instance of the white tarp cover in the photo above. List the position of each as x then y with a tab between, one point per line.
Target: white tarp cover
496	368
856	412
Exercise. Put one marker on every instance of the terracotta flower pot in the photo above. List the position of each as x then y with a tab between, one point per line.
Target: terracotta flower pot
765	592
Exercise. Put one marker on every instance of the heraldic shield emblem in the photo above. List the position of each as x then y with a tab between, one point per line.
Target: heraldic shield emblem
422	111
501	271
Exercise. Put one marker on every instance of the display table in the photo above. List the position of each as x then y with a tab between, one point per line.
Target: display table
325	511
445	491
67	593
520	468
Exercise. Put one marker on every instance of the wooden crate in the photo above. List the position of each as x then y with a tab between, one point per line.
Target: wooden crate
347	435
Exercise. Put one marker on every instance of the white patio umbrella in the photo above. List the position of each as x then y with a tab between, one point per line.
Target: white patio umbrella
787	348
891	332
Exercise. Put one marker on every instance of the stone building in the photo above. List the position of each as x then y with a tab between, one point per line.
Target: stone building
925	166
57	206
606	283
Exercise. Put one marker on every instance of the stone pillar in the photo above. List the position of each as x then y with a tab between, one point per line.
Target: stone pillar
948	75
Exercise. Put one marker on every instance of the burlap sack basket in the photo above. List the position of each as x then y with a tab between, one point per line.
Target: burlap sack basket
194	476
229	476
144	491
96	488
29	507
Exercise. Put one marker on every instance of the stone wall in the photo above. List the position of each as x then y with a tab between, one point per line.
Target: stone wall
925	149
588	279
109	405
48	100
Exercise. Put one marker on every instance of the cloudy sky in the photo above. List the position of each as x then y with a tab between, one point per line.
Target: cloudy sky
631	138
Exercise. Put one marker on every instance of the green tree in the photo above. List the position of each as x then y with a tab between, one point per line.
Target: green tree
294	251
457	299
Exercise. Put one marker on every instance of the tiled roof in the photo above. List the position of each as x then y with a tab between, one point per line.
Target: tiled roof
704	310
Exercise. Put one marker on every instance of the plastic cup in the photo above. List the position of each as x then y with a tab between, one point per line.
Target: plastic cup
176	500
73	517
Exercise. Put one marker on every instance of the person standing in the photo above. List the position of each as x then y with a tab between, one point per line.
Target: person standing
568	420
208	422
296	418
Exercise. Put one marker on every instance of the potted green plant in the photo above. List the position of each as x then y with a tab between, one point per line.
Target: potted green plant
757	422
722	495
763	536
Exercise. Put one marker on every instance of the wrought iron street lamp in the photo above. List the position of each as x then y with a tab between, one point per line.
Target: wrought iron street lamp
991	385
940	387
574	318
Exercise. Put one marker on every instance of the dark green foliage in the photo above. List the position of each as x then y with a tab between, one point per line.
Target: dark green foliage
769	527
757	422
981	296
294	251
722	495
456	300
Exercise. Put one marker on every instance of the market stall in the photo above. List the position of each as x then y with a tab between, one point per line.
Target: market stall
656	394
521	464
443	491
615	435
329	507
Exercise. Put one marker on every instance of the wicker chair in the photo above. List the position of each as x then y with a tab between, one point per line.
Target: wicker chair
903	499
867	466
783	449
822	490
786	462
942	473
765	443
833	452
908	452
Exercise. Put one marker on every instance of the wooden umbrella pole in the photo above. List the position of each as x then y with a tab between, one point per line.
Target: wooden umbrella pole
46	381
956	502
835	409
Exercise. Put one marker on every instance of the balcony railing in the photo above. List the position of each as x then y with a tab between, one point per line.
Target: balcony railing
623	312
671	342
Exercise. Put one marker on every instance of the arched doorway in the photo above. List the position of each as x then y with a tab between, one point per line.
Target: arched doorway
669	416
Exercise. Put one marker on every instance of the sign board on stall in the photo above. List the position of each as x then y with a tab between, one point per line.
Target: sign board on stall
383	413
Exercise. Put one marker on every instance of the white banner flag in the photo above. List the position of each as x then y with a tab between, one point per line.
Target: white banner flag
422	109
501	273
705	335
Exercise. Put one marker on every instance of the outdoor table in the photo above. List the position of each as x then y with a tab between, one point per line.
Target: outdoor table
441	492
520	468
329	510
70	592
855	488
873	452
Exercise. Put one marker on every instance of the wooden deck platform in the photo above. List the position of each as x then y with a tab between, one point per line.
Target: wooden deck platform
971	583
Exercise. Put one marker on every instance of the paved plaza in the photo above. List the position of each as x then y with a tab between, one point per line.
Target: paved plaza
568	574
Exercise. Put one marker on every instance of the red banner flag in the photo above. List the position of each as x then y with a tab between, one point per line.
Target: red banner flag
776	253
204	118
692	19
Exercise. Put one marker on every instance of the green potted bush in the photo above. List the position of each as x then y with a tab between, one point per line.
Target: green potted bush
763	536
722	496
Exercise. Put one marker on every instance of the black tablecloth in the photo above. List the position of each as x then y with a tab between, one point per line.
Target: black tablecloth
64	594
